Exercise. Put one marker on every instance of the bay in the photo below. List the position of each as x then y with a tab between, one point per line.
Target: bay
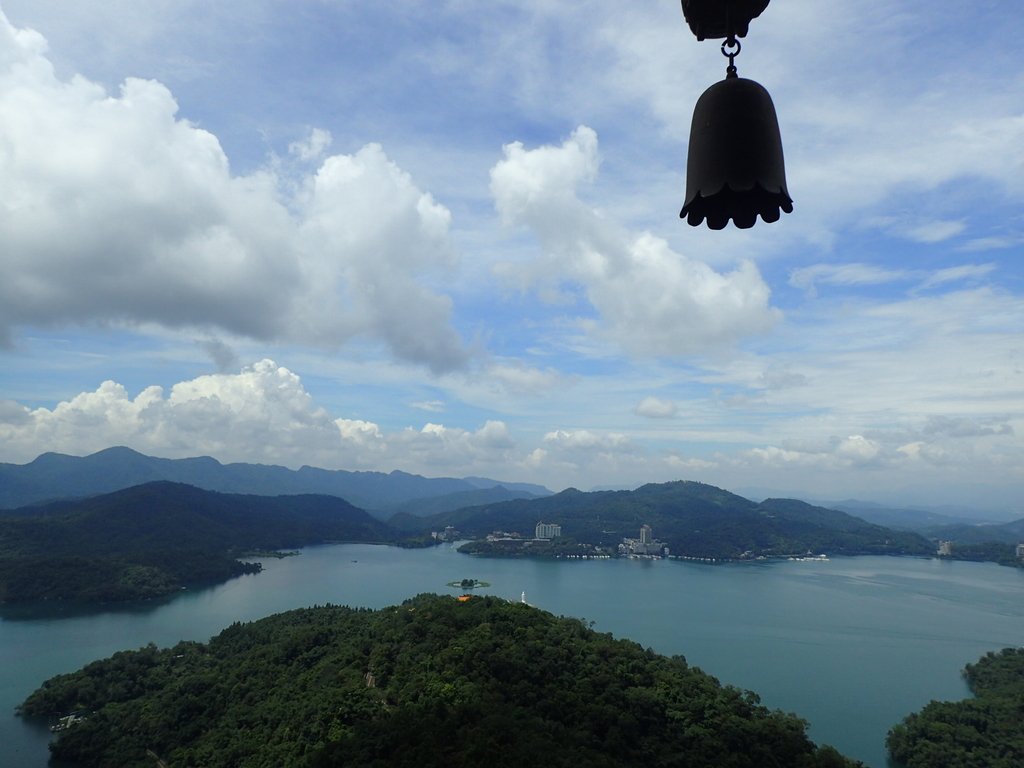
850	644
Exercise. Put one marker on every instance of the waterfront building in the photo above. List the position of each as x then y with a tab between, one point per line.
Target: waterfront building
548	530
945	549
646	545
448	534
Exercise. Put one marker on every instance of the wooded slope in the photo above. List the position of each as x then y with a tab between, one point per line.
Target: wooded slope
432	682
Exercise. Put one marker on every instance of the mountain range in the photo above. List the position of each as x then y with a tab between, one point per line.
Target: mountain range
54	476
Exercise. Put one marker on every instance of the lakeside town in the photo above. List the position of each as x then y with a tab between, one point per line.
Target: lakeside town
548	542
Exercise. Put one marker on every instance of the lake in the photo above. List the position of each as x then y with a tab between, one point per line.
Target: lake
850	644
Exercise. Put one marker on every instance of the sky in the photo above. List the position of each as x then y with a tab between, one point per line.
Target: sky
442	237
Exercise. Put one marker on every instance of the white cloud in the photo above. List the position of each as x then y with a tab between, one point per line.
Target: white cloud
651	300
964	272
261	414
935	231
364	434
313	146
520	379
991	243
264	414
844	274
434	406
117	211
858	449
656	408
859	274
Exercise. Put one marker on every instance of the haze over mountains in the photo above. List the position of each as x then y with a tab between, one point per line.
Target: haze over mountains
54	476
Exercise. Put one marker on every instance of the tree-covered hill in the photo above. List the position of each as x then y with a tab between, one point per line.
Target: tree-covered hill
984	732
153	539
693	518
432	682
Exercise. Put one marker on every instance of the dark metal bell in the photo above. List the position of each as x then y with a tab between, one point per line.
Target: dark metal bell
735	168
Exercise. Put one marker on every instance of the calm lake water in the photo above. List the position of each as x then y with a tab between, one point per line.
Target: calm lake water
851	645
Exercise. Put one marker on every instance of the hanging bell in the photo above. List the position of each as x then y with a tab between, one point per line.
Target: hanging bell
735	168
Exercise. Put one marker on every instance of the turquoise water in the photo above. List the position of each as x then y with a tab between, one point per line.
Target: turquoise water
851	645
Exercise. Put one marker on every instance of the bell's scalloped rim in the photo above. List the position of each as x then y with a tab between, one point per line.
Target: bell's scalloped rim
769	207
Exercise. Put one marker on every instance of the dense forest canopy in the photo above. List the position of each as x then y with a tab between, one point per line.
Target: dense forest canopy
154	539
984	732
432	682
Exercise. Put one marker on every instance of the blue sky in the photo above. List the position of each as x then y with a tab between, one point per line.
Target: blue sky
443	237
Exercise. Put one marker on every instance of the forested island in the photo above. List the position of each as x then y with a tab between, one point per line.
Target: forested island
431	682
986	731
156	539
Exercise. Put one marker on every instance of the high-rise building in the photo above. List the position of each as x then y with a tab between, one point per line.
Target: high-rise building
646	535
548	530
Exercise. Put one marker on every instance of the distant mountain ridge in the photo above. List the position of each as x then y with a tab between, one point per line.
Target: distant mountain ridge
1004	533
53	476
906	518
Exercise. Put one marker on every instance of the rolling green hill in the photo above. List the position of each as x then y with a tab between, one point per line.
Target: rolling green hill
156	538
432	682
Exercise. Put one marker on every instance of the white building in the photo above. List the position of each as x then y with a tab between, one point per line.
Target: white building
548	530
645	545
646	534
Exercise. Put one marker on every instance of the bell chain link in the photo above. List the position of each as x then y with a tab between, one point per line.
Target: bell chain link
727	45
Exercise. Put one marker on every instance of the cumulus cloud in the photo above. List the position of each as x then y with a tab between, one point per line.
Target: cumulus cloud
262	413
855	451
115	210
651	300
